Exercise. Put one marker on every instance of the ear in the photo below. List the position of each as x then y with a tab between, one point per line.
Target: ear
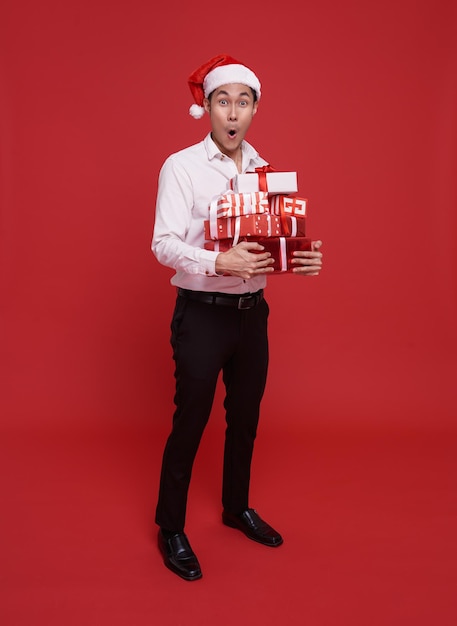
206	105
255	107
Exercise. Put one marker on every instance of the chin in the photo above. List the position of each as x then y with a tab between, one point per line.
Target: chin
233	146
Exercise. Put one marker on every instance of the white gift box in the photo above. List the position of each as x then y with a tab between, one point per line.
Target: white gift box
275	182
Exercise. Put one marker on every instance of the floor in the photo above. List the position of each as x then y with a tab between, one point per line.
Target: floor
369	520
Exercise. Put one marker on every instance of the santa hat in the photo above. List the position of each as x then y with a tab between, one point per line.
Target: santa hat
220	70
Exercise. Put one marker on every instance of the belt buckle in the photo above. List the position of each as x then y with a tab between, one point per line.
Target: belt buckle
242	300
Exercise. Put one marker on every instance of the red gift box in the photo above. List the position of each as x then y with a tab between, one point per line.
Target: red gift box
293	226
259	225
288	205
222	245
281	249
232	204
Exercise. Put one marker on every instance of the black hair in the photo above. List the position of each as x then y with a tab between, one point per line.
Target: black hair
253	91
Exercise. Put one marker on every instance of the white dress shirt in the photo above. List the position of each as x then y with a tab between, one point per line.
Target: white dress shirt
188	181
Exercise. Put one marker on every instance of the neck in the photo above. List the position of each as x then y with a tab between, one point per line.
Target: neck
238	159
236	155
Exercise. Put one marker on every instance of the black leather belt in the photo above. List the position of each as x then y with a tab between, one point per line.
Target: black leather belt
240	301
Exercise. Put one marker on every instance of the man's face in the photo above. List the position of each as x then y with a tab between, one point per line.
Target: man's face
231	110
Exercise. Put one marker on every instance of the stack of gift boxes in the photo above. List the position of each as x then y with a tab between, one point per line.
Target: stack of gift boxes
258	206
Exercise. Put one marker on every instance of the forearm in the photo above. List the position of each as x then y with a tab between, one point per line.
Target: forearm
179	255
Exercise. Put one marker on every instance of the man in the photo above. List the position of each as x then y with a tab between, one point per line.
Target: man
220	318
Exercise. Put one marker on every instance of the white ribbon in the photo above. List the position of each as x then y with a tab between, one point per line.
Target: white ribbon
293	226
236	235
213	217
282	254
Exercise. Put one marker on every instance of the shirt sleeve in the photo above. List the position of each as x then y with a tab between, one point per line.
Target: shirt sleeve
174	243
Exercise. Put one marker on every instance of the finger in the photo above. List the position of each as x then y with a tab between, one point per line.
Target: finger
260	256
251	245
307	261
267	262
306	271
309	254
263	264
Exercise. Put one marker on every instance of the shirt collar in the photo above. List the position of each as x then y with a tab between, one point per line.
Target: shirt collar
249	152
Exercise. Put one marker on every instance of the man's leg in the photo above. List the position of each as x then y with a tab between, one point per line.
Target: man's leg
201	340
244	378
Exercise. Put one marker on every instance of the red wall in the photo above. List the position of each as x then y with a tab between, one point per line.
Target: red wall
360	98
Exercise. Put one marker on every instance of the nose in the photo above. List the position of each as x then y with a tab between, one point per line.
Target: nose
232	113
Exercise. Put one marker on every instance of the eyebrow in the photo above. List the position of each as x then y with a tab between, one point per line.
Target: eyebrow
225	93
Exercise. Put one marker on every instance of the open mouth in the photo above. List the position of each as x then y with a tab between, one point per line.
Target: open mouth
232	133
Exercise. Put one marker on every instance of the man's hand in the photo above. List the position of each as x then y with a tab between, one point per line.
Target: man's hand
308	263
245	260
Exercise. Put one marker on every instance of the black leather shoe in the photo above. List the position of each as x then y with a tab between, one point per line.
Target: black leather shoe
253	526
179	557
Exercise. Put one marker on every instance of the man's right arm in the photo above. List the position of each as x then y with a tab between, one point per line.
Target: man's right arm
173	218
245	260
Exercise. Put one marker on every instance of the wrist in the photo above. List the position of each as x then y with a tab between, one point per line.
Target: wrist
219	264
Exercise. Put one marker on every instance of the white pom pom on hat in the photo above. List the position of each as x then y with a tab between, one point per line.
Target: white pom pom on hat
196	111
220	70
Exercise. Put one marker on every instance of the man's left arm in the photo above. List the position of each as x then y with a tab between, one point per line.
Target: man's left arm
308	262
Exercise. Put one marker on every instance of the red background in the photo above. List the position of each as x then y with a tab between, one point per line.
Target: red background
359	98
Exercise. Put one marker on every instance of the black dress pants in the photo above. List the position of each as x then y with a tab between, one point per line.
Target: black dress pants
208	339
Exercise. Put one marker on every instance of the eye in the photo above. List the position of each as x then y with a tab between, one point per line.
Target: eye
223	102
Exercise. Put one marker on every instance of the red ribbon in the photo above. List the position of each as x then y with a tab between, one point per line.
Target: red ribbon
262	172
284	223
